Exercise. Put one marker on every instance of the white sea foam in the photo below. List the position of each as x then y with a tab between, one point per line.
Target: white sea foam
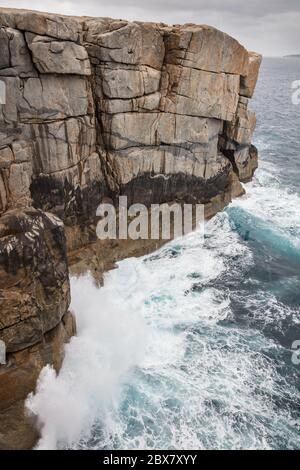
111	340
274	204
159	360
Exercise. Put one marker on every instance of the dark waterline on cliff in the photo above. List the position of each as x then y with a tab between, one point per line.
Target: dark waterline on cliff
191	347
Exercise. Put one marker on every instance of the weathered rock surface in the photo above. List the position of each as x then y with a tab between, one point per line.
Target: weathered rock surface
15	58
34	320
34	278
95	108
205	48
45	24
18	378
51	56
248	81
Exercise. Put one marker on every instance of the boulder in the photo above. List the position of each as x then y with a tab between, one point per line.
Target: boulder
248	82
52	97
205	48
127	82
171	174
34	281
62	144
198	93
45	24
62	57
246	160
125	43
73	193
15	58
126	130
18	378
240	129
15	175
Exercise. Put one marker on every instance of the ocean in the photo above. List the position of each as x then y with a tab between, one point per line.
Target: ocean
191	347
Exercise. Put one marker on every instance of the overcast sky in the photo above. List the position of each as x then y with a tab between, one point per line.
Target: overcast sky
271	27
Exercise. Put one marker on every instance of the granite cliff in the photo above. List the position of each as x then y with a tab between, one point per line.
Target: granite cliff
96	108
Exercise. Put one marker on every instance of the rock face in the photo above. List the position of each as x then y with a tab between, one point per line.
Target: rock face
98	108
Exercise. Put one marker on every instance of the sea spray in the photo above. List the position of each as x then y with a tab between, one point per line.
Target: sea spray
221	320
111	341
205	381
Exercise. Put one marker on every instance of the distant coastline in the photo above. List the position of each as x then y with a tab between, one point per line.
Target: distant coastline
295	56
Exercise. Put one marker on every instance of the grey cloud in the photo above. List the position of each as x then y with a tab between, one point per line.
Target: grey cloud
255	8
268	26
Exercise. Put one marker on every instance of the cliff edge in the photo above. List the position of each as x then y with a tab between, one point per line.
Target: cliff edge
96	108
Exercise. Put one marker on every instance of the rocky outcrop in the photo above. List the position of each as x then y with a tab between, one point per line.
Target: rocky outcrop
34	321
248	82
96	108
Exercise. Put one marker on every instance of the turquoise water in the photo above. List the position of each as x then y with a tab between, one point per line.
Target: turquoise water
190	347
